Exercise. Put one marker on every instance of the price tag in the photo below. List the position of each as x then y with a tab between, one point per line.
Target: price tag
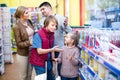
86	50
100	60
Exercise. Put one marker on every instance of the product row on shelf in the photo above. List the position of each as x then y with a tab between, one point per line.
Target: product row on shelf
100	55
35	18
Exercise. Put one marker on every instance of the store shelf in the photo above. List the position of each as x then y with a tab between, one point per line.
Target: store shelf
91	71
105	63
87	68
108	65
5	37
82	76
0	54
88	51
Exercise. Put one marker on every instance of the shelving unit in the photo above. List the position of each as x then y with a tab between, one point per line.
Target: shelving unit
87	69
98	65
7	44
1	47
5	38
100	60
2	70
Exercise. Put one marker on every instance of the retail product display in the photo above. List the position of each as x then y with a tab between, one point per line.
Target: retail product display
35	18
100	54
5	37
12	11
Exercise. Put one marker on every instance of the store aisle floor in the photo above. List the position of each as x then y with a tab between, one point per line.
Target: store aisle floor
12	71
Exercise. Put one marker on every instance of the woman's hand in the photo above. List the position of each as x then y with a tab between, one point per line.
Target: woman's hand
31	41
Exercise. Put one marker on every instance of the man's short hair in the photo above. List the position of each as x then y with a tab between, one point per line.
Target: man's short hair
45	4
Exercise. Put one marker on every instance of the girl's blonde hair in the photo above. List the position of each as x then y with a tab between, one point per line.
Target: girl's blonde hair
20	12
49	19
75	36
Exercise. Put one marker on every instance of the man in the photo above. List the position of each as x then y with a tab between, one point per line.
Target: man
63	27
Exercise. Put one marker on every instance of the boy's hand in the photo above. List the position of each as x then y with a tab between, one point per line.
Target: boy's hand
57	49
53	69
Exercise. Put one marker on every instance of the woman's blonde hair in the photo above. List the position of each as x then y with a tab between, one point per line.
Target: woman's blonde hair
20	11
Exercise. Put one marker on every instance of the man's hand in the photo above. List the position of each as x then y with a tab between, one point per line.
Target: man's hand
66	21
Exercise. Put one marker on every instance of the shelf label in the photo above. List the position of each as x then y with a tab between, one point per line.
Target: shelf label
86	50
100	60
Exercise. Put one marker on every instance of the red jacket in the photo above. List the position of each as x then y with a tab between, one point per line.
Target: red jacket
47	42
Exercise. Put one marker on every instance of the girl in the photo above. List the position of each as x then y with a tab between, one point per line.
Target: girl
69	57
43	46
23	33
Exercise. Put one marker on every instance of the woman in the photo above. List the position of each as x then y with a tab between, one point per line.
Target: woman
23	33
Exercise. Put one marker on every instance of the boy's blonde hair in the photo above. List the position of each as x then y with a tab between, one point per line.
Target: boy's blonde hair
49	19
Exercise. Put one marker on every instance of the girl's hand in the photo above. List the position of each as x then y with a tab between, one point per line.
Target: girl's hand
69	57
55	59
